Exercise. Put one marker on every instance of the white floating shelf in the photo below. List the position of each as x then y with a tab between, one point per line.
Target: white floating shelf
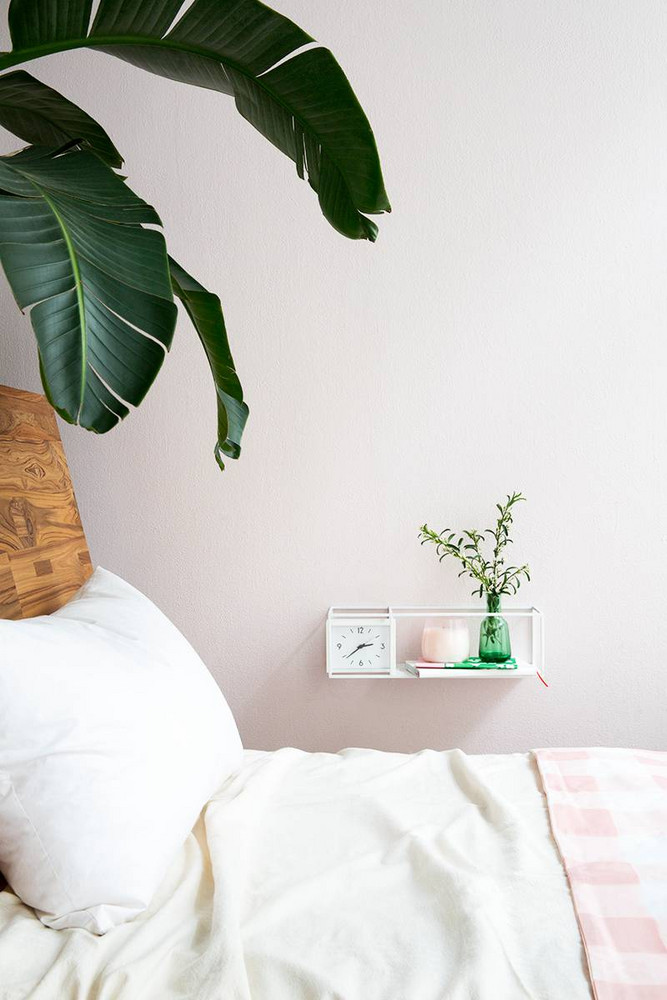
401	672
530	660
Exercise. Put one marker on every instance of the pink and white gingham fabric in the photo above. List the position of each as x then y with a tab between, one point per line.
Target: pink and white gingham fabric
608	811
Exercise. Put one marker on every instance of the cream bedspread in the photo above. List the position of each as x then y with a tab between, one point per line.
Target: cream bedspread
353	876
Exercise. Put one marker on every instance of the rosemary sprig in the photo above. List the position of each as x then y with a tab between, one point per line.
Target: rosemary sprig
491	574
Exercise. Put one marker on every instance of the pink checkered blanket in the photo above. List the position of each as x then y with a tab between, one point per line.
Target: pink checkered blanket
608	811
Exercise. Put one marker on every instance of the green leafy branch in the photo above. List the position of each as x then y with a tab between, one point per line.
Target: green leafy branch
490	572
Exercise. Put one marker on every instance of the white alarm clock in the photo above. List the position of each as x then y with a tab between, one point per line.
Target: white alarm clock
360	645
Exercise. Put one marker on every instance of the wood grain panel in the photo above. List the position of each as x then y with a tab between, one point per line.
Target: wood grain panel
44	556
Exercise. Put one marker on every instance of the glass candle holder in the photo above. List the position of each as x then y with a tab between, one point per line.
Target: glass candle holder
446	643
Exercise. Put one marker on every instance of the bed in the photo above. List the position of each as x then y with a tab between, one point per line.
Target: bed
352	876
358	875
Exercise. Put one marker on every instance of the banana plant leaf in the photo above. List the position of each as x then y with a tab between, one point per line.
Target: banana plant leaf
298	98
43	117
75	248
205	311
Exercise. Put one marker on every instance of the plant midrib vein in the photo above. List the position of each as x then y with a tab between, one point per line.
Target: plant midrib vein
78	283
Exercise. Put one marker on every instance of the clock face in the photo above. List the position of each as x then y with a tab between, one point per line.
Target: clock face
360	647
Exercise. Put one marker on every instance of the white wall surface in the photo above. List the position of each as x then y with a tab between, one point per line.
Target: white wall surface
507	331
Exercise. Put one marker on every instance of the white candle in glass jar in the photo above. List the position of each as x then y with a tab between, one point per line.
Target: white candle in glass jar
448	643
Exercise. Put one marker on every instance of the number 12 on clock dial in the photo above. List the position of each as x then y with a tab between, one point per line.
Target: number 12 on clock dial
360	646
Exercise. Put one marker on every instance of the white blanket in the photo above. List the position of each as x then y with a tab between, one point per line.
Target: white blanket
352	876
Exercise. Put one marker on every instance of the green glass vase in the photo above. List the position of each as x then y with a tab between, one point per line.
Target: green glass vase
494	634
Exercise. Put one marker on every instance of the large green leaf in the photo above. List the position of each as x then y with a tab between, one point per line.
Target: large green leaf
205	311
43	117
74	248
300	100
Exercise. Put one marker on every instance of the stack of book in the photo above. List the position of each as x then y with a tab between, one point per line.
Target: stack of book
422	668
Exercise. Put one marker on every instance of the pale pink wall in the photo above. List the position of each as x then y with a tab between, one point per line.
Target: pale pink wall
506	331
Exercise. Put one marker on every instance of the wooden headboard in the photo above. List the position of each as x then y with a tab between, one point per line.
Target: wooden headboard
44	556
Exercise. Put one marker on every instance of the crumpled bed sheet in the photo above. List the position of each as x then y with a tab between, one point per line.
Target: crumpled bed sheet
360	875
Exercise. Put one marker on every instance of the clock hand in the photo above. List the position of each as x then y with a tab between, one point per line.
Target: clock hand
362	646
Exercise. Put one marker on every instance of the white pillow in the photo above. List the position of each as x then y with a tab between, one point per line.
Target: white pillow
113	736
